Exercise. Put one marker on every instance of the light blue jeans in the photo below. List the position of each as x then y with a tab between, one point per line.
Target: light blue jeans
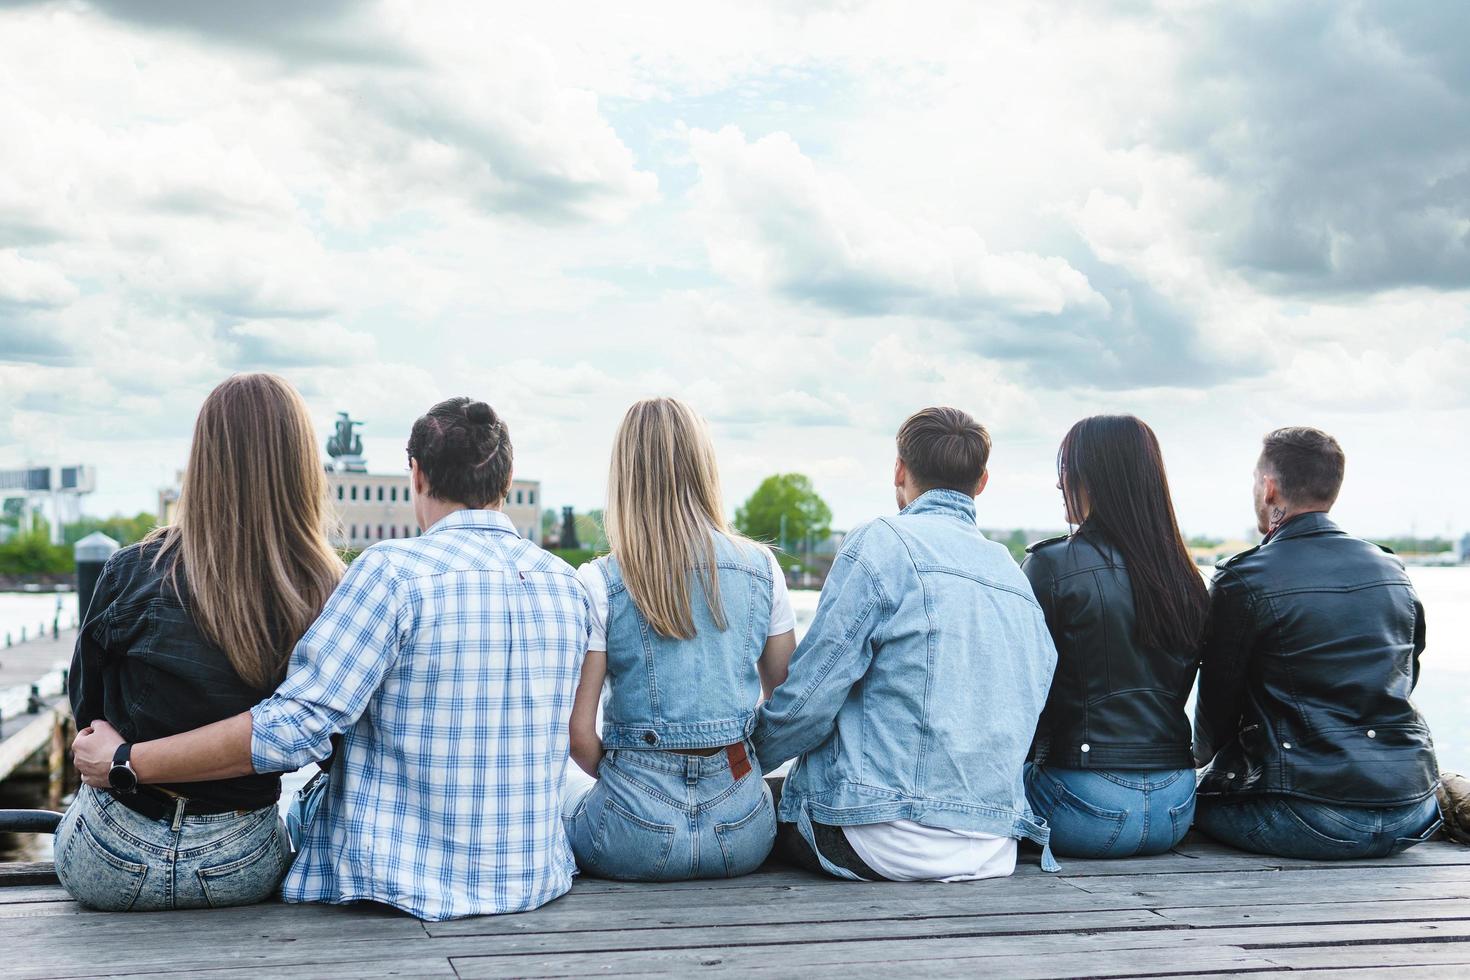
1284	826
1112	813
662	816
115	860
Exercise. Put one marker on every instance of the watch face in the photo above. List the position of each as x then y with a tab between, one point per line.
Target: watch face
123	779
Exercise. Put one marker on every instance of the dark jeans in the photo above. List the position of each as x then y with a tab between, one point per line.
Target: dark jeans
792	848
1284	826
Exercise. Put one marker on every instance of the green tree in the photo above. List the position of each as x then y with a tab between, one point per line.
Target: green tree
30	552
123	530
786	511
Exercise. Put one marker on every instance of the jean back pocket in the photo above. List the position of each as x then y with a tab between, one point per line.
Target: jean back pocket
95	875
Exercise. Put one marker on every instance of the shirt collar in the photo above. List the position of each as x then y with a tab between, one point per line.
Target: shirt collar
950	502
1313	522
490	520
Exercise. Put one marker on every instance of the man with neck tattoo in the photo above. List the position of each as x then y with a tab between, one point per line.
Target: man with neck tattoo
1311	744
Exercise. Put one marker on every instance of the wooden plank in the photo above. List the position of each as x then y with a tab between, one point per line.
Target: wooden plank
1338	911
28	739
735	933
26	873
858	900
315	969
1374	956
33	893
806	951
1321	876
1028	967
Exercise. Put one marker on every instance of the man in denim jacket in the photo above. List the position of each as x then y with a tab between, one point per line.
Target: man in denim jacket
911	702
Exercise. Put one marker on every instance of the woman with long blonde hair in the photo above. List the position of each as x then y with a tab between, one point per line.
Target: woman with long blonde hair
691	625
190	626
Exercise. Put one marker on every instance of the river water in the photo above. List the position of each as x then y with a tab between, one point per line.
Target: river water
1443	694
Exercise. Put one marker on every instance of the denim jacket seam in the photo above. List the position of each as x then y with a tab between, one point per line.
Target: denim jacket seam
989	583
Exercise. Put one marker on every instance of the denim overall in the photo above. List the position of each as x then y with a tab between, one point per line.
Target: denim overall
657	814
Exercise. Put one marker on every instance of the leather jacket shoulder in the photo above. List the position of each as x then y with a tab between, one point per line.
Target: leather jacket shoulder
1310	657
1113	703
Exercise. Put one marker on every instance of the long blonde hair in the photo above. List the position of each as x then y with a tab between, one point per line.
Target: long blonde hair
250	530
663	509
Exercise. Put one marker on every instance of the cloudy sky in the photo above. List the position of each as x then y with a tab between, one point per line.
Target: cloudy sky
808	219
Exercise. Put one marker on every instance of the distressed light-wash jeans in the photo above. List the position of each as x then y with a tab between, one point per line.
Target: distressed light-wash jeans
1285	826
1106	813
116	860
663	816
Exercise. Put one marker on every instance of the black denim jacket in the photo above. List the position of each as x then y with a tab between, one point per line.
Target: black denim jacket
1312	652
143	666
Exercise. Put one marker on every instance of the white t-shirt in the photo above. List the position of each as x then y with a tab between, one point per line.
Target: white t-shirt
902	850
782	618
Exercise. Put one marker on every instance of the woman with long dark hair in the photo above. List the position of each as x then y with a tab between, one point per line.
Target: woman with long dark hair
1112	770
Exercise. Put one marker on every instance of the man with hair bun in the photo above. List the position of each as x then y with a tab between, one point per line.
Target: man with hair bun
1311	744
911	702
448	664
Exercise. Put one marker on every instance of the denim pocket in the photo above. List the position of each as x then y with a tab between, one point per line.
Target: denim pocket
95	875
1079	828
746	843
1290	834
630	847
1181	817
249	879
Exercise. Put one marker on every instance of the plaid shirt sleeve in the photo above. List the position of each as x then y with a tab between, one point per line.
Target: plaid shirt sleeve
335	670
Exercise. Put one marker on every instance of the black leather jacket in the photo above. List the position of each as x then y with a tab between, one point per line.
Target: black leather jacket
1113	704
141	664
1312	650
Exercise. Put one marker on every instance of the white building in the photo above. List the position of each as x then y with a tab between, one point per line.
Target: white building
373	507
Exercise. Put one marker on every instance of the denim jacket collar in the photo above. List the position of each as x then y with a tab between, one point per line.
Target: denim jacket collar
942	501
490	520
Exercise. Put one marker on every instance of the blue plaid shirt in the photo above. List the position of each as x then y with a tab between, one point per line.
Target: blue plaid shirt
449	663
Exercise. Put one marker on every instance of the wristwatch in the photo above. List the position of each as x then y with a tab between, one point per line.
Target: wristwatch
121	777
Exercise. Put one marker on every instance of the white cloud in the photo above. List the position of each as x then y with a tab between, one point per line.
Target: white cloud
777	222
24	282
808	220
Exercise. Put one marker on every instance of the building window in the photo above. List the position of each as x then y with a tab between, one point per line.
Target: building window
392	530
352	533
406	533
393	494
380	532
531	497
354	493
520	496
340	491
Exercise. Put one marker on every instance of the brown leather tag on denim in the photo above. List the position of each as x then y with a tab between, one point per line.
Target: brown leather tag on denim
739	760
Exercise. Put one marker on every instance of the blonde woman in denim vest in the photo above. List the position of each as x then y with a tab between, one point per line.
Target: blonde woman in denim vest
692	625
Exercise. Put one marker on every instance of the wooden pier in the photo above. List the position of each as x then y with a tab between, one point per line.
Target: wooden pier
1203	910
34	713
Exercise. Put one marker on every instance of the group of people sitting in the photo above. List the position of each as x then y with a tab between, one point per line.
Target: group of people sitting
944	706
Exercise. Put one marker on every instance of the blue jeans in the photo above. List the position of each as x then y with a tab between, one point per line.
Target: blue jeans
115	860
1108	813
1284	826
663	816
